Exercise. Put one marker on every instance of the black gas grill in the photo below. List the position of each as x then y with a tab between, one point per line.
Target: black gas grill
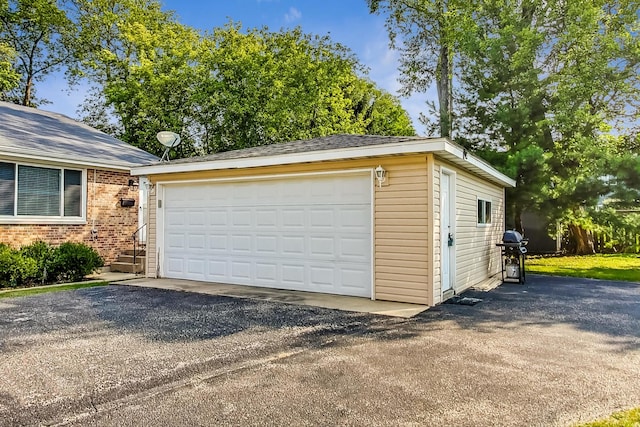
513	254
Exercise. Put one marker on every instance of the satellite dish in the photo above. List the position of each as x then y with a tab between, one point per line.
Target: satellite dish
169	140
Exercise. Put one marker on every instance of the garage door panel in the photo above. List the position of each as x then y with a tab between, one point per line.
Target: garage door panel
217	217
309	233
174	218
267	245
322	246
293	219
175	241
351	219
218	242
293	274
240	270
322	218
352	278
293	245
217	270
266	218
241	244
197	218
323	277
354	249
266	273
196	241
241	218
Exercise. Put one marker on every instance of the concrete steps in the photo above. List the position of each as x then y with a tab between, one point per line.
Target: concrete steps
125	262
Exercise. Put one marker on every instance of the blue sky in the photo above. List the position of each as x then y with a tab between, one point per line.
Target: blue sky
345	21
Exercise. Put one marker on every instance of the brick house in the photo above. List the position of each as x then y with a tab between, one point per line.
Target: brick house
61	180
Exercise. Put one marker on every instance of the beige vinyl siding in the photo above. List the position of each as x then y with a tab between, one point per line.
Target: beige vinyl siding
401	235
477	256
401	232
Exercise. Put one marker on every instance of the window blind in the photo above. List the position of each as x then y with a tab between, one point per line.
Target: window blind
38	191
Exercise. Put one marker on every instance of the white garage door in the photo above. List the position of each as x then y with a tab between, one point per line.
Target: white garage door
310	233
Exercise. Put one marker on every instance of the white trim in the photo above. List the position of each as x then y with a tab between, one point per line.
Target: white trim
452	223
484	224
373	235
266	176
13	157
437	146
159	230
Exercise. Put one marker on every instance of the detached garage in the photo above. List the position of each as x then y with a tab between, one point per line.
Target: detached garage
392	218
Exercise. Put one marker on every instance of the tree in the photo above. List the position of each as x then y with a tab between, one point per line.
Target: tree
427	33
9	77
228	89
40	34
544	87
264	87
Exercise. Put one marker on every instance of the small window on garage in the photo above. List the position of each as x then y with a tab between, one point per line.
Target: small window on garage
484	212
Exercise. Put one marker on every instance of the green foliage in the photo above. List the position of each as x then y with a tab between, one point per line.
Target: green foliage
630	418
73	261
15	269
232	89
624	267
41	37
43	290
9	77
428	34
43	254
40	263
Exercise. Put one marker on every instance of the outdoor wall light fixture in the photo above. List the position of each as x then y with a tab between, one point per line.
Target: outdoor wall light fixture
133	183
381	175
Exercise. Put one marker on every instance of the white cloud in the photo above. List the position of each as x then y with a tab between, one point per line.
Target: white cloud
293	15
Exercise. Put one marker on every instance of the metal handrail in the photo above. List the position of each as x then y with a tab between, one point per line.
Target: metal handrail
135	242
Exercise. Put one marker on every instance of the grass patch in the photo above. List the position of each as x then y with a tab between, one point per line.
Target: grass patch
630	418
52	288
625	267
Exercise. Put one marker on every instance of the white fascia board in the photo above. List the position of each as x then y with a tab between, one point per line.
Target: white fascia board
439	145
478	163
418	146
35	158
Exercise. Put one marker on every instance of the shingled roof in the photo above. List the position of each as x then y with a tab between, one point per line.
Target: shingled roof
330	148
323	143
36	134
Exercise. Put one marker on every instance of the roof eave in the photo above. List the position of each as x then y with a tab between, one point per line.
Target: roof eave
38	158
439	146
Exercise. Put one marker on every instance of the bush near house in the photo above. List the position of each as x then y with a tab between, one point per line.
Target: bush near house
42	264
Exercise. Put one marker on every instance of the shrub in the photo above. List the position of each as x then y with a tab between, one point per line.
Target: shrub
43	254
73	261
16	269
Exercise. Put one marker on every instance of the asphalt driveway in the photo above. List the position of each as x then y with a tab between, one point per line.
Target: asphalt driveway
552	352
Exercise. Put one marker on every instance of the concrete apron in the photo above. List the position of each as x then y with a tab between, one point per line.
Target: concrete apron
338	302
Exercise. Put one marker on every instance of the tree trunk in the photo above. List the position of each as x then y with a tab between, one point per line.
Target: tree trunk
26	100
517	219
443	85
583	240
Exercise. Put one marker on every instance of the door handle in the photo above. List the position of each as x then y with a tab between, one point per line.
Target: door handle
450	241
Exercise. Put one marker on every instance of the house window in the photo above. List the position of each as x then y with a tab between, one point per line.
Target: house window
34	191
484	212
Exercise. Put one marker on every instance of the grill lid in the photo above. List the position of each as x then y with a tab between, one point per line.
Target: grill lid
511	236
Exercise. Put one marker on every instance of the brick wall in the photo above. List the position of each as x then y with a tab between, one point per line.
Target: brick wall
113	223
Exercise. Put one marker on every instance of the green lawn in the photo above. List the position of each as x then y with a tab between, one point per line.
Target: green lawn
44	289
624	267
629	418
